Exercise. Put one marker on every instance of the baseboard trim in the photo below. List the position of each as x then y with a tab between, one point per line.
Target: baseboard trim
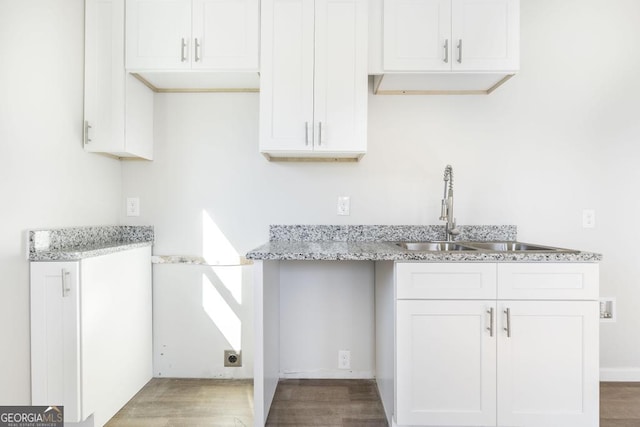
328	375
620	374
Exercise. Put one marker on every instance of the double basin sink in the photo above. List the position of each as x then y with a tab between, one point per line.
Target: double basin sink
508	246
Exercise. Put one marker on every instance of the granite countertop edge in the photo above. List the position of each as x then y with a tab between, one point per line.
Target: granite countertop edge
76	254
387	251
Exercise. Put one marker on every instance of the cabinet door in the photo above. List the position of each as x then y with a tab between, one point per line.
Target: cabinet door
225	34
55	336
341	88
104	95
417	35
118	108
548	367
158	34
116	330
485	35
445	363
286	81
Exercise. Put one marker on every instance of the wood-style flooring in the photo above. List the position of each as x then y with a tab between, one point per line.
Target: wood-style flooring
169	402
619	404
345	403
331	403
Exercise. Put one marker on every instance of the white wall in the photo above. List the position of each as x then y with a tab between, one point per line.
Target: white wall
561	136
46	179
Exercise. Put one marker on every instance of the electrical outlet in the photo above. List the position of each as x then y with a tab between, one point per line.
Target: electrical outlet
133	206
607	309
588	218
344	359
232	358
344	205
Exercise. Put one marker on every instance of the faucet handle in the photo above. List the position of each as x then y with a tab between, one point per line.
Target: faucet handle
453	230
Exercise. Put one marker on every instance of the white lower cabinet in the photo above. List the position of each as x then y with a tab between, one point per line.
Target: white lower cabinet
446	364
548	372
91	337
495	362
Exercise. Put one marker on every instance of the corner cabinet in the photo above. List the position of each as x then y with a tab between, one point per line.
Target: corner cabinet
118	109
192	34
521	348
91	336
314	83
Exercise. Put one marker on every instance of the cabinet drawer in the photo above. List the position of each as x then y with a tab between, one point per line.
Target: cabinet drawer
445	281
566	281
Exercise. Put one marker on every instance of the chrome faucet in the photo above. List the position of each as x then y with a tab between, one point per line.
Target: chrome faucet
446	213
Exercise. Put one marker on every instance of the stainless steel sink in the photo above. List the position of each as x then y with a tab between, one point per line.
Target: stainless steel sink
514	247
434	246
478	246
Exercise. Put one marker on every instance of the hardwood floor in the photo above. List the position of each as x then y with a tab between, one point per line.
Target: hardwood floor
619	404
189	402
345	403
301	403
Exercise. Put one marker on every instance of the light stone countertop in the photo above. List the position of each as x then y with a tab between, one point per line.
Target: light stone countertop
296	243
76	243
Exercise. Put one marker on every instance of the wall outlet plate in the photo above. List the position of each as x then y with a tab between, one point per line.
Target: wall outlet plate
344	205
608	309
588	218
133	206
344	359
232	358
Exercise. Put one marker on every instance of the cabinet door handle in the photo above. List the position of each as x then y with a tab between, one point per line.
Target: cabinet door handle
66	286
508	326
306	133
460	51
88	132
319	133
183	50
490	327
197	50
446	51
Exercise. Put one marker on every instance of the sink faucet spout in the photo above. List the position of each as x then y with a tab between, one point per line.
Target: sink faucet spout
446	213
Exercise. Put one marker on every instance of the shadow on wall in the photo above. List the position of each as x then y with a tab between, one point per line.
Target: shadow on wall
222	286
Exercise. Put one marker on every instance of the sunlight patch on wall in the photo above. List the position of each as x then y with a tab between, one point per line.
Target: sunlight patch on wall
221	314
216	248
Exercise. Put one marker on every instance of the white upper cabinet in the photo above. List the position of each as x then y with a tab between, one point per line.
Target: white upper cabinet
313	100
441	35
158	34
226	34
417	35
118	109
444	46
192	34
485	35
